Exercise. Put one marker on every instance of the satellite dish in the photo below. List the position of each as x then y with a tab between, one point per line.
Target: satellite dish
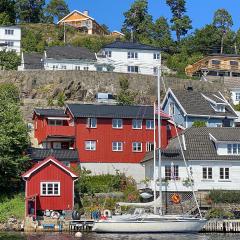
146	195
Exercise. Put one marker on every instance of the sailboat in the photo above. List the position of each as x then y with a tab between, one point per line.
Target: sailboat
143	222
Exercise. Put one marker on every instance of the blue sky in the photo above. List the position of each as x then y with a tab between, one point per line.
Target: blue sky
110	12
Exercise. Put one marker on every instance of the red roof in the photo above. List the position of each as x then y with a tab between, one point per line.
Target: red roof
44	162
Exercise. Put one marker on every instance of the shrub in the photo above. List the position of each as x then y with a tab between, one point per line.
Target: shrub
220	196
14	207
219	213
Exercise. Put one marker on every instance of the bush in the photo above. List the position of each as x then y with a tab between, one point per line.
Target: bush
220	196
219	213
199	124
14	207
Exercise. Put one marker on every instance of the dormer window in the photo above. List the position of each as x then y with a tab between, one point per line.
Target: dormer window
233	149
218	107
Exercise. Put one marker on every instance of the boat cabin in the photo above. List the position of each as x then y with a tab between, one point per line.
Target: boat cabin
49	185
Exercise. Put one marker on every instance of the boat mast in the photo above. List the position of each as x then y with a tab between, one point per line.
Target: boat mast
154	159
159	136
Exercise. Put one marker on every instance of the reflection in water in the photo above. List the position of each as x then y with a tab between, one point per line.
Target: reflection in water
94	236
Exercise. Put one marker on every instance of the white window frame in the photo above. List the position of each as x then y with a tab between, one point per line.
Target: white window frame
207	173
108	54
90	145
224	175
135	146
135	126
149	145
90	122
133	69
156	56
132	55
86	68
233	148
9	32
151	124
48	183
117	146
119	123
237	96
77	68
55	122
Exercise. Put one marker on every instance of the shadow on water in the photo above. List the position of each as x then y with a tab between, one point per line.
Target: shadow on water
94	236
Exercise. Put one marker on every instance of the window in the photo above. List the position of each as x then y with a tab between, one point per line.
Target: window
10	43
149	146
108	54
78	68
90	145
149	124
66	163
117	123
220	108
136	124
207	173
117	146
234	63
55	67
55	122
85	68
171	109
9	31
50	188
233	149
237	96
64	67
99	69
91	122
137	147
133	55
156	56
171	172
133	69
224	173
57	145
216	62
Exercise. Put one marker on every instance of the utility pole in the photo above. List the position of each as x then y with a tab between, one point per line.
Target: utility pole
64	32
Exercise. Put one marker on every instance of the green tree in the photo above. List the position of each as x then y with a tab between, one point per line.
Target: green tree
125	96
14	139
9	60
161	33
181	23
137	21
57	9
30	41
61	99
199	124
29	11
223	21
7	12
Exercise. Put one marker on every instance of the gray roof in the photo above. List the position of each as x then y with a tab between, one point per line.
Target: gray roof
199	146
130	45
225	55
70	52
111	111
39	154
33	60
232	82
50	112
194	103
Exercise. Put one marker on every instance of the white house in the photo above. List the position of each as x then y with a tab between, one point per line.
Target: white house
10	38
131	57
213	158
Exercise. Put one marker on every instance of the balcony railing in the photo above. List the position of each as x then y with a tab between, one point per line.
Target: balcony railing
60	131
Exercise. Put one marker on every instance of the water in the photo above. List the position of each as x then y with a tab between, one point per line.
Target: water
94	236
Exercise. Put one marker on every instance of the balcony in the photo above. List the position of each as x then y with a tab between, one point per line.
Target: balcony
67	131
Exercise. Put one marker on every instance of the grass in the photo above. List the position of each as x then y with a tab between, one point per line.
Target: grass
14	207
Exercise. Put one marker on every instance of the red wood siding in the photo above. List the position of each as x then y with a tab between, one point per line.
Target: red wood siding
104	135
51	173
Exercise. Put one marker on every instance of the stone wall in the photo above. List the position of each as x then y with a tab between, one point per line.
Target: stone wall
38	86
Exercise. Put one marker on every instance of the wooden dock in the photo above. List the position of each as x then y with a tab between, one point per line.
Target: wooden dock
226	226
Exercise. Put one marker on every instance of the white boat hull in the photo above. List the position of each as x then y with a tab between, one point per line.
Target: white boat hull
165	226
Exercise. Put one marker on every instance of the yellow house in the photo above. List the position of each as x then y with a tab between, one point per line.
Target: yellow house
83	22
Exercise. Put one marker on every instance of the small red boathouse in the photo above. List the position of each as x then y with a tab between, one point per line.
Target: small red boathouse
49	185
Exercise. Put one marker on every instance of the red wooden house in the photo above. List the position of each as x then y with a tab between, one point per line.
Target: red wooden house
107	137
49	185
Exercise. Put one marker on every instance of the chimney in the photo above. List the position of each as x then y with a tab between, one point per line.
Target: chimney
85	12
190	88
